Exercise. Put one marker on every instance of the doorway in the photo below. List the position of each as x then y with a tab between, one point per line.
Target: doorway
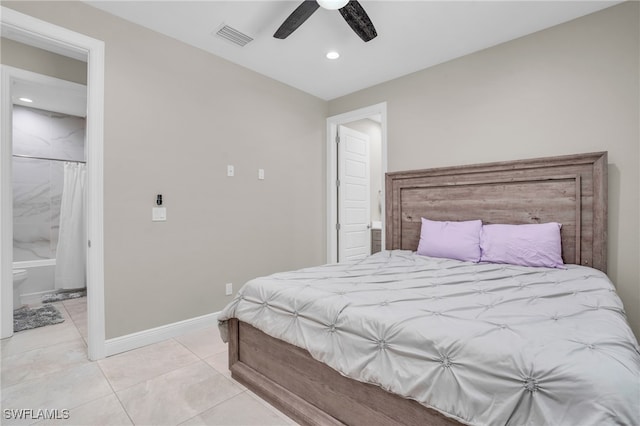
34	32
48	181
356	165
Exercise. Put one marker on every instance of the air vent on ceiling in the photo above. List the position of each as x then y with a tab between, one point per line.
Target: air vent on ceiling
233	35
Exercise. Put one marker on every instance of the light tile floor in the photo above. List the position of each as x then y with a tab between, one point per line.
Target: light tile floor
180	381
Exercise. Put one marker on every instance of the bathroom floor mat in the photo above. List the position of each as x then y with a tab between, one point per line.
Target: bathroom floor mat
64	295
25	318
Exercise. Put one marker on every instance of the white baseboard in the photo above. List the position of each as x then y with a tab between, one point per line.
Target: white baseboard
154	335
34	298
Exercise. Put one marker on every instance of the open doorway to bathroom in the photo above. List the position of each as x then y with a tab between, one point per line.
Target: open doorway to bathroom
51	38
356	165
49	192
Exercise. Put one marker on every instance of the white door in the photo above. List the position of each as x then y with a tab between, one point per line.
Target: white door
354	218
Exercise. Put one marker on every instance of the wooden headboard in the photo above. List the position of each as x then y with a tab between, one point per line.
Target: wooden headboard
571	190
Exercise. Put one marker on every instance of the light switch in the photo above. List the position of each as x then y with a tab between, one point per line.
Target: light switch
158	214
261	174
230	171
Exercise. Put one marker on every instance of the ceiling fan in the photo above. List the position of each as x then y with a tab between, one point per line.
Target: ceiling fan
351	11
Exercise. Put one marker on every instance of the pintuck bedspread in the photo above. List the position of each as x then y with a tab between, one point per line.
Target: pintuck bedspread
485	344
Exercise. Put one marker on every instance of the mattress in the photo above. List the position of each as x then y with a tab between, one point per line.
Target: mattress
484	344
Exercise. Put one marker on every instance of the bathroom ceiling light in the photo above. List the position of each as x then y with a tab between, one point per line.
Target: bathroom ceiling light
333	55
332	4
25	100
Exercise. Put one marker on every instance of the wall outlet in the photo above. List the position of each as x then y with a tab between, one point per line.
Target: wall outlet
231	170
261	174
229	289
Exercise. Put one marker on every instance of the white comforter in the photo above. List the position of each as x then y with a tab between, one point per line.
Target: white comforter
485	344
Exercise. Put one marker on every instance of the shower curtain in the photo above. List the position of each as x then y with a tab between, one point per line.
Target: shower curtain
71	252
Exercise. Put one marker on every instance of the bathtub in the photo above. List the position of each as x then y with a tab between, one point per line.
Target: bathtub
40	280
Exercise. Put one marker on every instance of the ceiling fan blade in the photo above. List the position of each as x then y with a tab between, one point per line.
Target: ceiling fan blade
358	20
297	17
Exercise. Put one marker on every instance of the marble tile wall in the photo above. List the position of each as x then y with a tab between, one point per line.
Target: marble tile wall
37	184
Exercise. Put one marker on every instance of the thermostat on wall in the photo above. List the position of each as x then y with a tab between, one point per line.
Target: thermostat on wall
159	214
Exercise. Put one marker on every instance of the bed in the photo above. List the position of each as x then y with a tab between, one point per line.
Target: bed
399	338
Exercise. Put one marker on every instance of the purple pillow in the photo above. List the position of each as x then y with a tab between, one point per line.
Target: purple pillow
452	240
525	245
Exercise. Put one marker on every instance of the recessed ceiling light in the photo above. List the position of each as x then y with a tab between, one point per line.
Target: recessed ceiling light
333	55
25	100
333	4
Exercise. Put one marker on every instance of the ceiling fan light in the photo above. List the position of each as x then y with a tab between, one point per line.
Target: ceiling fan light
332	4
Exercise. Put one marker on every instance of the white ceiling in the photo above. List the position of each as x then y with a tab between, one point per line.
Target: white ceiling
412	35
51	95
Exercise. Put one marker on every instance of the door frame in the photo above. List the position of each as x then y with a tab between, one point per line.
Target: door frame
333	123
45	35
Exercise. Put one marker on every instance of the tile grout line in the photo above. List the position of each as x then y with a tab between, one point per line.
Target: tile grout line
124	409
229	379
246	391
47	374
198	361
112	391
186	347
65	369
193	352
73	321
154	377
116	394
75	326
70	318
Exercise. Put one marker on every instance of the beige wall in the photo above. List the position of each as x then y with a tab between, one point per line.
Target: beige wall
569	89
175	116
31	58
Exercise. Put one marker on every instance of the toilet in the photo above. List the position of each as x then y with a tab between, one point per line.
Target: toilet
19	276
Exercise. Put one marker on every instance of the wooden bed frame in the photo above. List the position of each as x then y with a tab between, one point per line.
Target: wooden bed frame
571	190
